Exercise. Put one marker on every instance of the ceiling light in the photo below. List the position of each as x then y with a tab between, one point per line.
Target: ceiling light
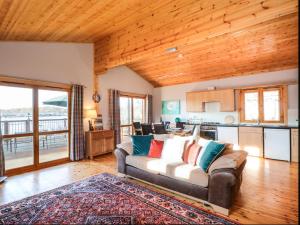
180	55
173	49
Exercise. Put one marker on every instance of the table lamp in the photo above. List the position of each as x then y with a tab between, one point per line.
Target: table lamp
90	114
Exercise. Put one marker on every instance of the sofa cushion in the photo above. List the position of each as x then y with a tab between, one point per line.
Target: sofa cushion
203	143
152	165
212	151
232	160
173	149
188	173
141	144
156	149
191	153
127	146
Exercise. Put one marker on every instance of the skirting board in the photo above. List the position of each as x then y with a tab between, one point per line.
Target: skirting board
205	204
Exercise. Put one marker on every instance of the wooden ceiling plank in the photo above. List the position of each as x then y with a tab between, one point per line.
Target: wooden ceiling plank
121	56
4	9
123	19
48	20
11	18
199	51
242	57
57	20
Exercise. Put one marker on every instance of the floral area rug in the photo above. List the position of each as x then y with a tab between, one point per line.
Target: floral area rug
105	199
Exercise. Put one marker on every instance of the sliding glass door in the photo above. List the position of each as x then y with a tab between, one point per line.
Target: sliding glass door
35	126
53	125
132	109
16	105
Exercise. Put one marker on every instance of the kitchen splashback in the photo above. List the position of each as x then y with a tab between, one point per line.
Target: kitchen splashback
212	114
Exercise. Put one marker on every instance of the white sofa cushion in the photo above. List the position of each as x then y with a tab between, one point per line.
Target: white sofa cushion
176	170
188	173
173	149
152	165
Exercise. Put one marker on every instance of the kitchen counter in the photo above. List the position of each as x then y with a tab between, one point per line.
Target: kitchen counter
275	126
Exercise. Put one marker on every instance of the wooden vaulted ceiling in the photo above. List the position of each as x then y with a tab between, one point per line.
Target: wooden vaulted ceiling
214	38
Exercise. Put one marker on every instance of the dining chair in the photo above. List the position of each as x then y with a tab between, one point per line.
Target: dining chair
180	125
137	129
146	129
159	129
167	124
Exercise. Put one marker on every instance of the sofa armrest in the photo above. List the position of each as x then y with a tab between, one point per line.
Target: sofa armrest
121	159
224	184
232	160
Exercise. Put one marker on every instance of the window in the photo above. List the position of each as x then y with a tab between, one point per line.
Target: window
264	105
34	125
132	109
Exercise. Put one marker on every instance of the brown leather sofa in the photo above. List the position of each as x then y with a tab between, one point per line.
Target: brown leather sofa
223	183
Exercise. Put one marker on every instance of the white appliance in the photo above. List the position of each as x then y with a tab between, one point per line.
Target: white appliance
228	135
277	144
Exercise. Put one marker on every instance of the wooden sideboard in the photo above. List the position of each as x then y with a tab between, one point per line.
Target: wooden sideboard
99	142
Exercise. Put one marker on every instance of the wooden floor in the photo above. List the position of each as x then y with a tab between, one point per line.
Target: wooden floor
269	193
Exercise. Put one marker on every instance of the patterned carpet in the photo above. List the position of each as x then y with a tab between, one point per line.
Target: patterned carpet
104	199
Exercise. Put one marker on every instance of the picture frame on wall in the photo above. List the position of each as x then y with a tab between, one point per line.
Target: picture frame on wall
171	107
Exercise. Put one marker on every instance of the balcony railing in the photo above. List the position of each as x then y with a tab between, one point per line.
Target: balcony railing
26	126
12	128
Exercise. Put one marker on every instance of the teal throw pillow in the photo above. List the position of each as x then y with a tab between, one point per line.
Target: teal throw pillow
141	144
212	151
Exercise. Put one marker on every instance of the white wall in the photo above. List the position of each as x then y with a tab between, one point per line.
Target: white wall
57	62
120	78
177	92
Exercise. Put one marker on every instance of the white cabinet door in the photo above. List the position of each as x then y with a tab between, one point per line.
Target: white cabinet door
277	144
228	135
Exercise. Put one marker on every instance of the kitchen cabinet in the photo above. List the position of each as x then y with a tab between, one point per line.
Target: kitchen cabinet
226	98
295	147
251	140
195	101
228	135
277	144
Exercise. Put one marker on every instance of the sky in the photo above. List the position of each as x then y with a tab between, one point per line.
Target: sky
16	97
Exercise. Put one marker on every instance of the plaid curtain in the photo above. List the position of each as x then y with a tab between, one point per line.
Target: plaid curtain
2	164
149	103
77	132
114	113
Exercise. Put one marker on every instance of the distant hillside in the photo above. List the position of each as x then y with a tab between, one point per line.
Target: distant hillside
24	112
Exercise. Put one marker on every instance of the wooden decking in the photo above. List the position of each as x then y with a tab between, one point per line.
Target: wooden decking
20	159
268	195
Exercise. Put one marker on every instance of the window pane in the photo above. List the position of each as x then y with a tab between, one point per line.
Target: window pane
271	105
18	152
53	116
53	110
138	109
53	146
251	106
16	118
16	111
125	110
126	133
